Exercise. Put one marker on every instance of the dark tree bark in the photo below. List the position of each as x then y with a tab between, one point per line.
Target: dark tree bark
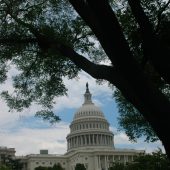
132	82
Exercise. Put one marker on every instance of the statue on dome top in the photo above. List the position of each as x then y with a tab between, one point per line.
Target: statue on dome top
87	85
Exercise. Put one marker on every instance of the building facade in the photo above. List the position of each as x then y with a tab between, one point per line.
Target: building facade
6	153
90	142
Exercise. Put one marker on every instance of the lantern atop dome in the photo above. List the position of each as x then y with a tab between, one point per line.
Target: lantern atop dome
87	96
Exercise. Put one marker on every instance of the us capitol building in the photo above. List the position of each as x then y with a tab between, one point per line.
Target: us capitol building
90	142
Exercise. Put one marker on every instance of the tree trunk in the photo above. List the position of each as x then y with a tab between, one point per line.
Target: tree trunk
133	83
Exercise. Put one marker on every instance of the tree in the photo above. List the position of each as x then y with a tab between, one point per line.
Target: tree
157	160
9	162
117	166
3	167
80	167
57	167
132	122
47	40
154	161
41	168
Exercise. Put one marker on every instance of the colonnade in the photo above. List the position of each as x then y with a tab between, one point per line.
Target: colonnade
106	161
90	139
93	125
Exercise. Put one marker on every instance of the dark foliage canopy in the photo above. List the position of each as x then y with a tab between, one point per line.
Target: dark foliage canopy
80	167
55	167
154	161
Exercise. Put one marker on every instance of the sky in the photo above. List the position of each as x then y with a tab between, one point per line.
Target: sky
28	134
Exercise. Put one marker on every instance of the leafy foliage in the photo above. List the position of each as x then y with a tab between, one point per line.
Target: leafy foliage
3	167
155	161
132	122
41	72
9	163
55	167
80	167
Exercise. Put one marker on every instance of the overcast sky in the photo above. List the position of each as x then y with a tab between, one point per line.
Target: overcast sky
28	134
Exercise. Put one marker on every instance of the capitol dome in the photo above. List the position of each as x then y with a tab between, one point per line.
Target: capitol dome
89	127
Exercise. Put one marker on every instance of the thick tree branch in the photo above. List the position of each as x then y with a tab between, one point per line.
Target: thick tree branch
133	84
46	43
160	15
157	51
95	70
146	27
101	19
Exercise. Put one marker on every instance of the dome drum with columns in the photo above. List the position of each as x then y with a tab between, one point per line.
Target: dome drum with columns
89	127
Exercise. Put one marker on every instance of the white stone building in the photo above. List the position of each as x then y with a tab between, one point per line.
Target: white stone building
90	142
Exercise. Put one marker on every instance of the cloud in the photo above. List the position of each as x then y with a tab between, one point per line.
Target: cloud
28	140
121	140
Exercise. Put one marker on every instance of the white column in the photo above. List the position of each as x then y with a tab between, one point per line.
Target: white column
105	162
78	141
81	140
67	144
99	165
106	140
71	142
124	161
85	138
113	158
74	141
